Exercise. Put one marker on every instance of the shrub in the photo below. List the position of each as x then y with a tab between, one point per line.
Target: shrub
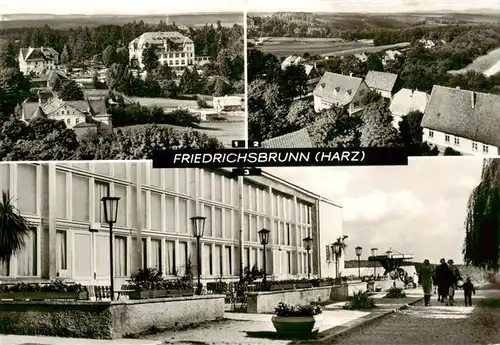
152	279
395	292
202	103
360	300
54	286
287	310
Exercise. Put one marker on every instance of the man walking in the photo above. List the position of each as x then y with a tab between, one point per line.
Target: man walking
442	280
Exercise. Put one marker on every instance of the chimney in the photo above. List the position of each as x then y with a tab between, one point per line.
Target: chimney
473	99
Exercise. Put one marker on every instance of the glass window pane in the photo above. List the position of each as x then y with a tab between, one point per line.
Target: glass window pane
121	192
61	195
218	222
26	189
80	204
155	210
170	212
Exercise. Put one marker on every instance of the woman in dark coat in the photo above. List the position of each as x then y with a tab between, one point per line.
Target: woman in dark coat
425	278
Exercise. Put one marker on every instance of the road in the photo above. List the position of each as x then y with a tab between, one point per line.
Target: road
436	324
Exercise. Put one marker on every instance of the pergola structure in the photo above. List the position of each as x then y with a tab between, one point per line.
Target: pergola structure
391	261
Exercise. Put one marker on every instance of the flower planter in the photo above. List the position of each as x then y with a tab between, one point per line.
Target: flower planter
297	326
303	286
146	294
323	283
43	295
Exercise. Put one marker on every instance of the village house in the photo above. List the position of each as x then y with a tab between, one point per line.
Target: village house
297	139
81	116
463	120
390	55
386	84
173	49
340	90
406	101
33	58
228	103
47	79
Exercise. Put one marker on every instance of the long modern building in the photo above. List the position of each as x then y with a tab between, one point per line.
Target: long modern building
173	49
70	239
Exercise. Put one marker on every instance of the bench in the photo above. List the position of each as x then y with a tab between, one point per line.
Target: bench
104	292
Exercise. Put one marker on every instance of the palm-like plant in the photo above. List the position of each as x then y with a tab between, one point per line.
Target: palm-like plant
14	229
342	245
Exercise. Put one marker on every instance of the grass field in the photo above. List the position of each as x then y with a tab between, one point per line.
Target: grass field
167	103
285	46
488	64
71	21
225	131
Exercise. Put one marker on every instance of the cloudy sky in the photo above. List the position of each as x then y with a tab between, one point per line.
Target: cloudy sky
111	7
416	209
365	6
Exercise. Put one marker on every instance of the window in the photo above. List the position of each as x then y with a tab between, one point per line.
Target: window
77	120
61	251
356	104
457	141
446	138
120	256
289	262
474	146
431	134
288	235
229	261
246	263
170	262
101	191
218	261
27	265
183	258
156	254
144	259
68	121
207	264
485	148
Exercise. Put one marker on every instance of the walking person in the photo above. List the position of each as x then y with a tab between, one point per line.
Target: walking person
442	277
425	275
469	289
454	277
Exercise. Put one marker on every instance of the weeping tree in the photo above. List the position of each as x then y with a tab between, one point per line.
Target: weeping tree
482	224
14	229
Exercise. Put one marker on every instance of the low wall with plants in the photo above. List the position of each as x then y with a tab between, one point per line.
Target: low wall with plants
356	286
106	319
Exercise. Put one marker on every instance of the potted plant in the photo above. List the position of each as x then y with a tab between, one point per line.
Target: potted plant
56	289
297	320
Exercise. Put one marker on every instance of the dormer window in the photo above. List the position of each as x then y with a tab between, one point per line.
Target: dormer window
336	90
348	92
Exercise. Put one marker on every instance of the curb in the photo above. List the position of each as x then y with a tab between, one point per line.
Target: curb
329	334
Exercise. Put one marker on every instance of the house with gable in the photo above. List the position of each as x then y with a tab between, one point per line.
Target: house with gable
464	120
80	116
386	84
340	90
31	59
406	101
297	139
46	79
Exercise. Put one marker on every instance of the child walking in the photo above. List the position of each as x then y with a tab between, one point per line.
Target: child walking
469	289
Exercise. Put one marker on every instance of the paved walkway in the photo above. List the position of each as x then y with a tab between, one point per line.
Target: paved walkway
41	340
437	324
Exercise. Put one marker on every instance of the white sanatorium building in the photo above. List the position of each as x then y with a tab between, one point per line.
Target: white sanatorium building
173	49
62	201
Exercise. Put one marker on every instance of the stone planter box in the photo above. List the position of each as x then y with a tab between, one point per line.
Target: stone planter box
147	294
298	326
323	283
40	296
303	286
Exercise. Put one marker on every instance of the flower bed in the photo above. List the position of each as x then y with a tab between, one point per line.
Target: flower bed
38	291
150	283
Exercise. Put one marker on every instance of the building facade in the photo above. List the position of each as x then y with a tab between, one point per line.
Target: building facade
173	49
70	239
31	59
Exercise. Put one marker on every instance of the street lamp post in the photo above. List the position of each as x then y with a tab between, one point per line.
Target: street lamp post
359	251
198	223
264	240
374	253
110	204
308	245
336	250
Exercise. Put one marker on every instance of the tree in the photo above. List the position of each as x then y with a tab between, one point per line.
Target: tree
14	89
482	225
190	82
66	55
335	128
224	63
8	55
122	56
373	63
14	229
169	88
57	85
71	91
222	87
301	114
411	133
150	59
340	241
377	129
293	82
164	72
109	56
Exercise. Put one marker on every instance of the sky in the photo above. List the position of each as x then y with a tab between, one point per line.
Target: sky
417	209
365	6
154	7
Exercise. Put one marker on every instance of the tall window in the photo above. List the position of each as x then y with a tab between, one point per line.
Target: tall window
288	235
183	258
170	264
229	261
247	259
156	254
27	265
218	261
61	251
289	262
120	256
101	191
144	259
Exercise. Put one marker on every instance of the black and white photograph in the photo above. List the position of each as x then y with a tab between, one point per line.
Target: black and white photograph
418	74
136	255
96	80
